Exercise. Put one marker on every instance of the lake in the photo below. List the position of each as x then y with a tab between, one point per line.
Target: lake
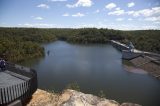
94	67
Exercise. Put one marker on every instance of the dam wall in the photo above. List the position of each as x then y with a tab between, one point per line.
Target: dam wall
119	46
126	53
131	54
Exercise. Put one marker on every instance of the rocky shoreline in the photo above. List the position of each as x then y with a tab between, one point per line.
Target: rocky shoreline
141	64
71	98
135	70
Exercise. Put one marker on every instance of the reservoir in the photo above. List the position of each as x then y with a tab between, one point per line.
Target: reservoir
94	67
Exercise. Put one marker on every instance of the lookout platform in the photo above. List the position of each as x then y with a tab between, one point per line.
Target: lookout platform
8	80
16	83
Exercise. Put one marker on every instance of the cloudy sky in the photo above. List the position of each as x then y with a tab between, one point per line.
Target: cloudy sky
115	14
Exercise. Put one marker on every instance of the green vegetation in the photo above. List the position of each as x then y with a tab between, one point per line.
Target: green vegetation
147	40
73	86
87	35
93	35
19	44
127	62
102	94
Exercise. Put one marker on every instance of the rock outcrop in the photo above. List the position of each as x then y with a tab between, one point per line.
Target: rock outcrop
71	98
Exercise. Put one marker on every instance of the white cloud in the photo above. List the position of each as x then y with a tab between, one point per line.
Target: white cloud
144	12
157	22
117	8
130	19
155	11
65	15
38	25
84	25
97	11
57	0
117	12
78	15
119	19
130	12
81	3
135	27
149	27
96	25
153	19
38	18
45	6
131	4
116	26
110	6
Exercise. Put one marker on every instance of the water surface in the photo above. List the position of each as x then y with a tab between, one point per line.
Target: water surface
94	67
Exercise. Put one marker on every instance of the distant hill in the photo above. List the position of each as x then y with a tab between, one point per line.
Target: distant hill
19	44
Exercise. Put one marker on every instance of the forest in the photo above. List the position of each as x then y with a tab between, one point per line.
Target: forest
146	40
19	44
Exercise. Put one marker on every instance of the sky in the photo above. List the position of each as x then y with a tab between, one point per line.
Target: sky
112	14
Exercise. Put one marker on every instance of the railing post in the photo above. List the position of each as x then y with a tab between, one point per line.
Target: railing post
1	96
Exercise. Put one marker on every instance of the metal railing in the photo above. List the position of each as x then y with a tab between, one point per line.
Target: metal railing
21	91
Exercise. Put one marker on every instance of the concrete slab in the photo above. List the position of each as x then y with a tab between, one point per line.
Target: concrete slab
9	80
17	75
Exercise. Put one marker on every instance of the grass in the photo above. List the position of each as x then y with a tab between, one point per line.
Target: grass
73	86
127	62
101	94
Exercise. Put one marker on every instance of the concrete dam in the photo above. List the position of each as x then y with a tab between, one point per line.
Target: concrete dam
148	61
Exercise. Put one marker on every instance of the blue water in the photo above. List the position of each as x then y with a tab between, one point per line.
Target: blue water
94	67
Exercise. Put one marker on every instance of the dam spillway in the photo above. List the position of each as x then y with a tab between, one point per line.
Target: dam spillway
140	59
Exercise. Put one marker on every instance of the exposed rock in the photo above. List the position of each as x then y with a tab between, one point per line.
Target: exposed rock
43	98
71	98
80	99
129	104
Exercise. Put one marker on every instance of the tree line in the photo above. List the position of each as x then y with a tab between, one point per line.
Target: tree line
146	40
19	44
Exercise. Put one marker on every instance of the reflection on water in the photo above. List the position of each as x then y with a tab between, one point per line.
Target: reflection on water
94	67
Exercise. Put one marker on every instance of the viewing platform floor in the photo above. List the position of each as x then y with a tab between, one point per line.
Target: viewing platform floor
7	79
